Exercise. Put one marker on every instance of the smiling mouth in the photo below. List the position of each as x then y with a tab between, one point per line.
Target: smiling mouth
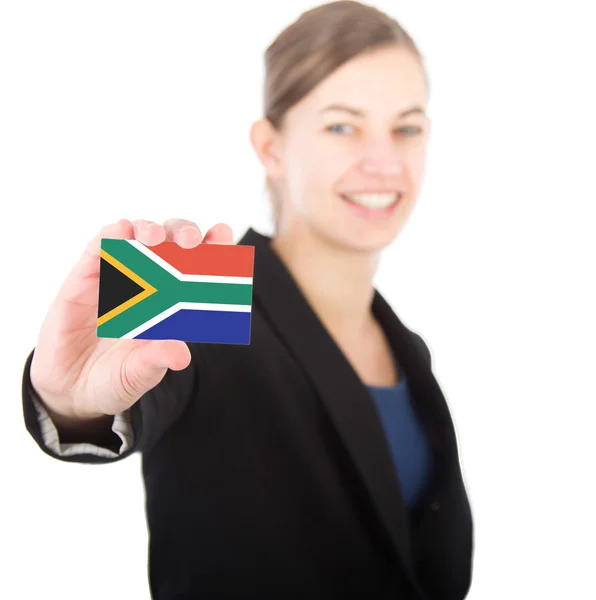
377	203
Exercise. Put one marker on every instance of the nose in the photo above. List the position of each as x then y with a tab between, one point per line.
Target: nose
382	158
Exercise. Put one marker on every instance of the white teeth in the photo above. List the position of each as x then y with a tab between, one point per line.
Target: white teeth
374	200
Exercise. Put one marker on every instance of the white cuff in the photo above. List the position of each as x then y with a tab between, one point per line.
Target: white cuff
121	426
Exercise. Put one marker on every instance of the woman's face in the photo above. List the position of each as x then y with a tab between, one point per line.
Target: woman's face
351	146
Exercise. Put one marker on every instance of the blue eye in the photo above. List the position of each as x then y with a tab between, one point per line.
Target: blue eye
331	127
336	128
416	130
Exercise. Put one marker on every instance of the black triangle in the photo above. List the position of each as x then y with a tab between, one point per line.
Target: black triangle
115	288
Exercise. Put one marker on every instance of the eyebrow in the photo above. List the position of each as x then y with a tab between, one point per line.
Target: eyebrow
360	113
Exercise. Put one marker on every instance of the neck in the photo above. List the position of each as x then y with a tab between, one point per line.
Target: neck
336	282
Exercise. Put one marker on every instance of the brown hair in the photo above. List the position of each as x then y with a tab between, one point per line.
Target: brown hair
312	47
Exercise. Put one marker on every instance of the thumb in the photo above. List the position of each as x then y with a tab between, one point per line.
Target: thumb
145	366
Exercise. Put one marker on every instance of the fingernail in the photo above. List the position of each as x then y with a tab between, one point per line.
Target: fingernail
194	231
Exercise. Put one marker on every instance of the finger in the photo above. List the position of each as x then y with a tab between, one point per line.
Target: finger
123	229
88	265
221	233
148	232
173	354
143	367
184	232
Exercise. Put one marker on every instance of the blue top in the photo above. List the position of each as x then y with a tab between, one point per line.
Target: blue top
406	437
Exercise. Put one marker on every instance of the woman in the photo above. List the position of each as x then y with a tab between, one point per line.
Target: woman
321	459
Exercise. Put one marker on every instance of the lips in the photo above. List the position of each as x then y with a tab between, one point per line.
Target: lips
371	213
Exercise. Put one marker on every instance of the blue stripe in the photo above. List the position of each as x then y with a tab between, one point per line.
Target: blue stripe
211	326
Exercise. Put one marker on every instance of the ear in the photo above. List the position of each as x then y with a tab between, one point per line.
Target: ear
265	141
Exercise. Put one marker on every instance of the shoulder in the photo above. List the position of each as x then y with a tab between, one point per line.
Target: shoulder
423	346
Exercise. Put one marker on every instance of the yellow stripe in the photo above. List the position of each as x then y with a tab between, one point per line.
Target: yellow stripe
147	287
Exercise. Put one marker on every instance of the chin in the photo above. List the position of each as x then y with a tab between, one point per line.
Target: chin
360	241
363	230
374	243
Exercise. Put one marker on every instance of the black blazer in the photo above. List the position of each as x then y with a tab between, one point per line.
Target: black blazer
268	475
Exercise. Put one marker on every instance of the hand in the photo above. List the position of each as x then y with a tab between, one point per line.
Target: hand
82	377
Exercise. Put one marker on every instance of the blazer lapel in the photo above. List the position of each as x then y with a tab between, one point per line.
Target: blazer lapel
342	392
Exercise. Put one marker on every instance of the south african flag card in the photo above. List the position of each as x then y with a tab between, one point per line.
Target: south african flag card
200	294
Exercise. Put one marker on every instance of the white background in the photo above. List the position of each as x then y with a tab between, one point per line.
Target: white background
142	110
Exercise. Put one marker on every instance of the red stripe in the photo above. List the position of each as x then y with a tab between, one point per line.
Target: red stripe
229	260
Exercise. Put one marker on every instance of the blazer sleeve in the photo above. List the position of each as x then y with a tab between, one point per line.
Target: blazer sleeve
136	430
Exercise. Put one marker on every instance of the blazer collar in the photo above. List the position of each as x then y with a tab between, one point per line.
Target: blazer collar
341	390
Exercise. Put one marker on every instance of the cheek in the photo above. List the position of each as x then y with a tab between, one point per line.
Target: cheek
416	162
328	168
317	177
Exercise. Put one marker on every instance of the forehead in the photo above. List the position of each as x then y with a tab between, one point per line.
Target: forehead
389	77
